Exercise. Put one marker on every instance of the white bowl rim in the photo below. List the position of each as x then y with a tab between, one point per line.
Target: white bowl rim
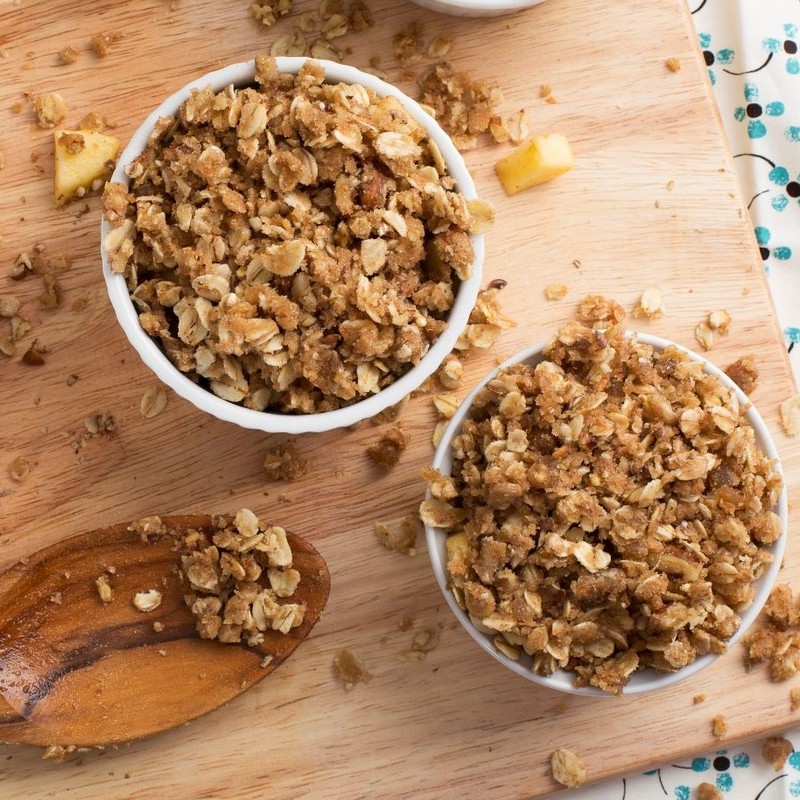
648	679
241	74
487	5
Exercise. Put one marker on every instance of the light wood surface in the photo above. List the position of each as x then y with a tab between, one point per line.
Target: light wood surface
652	201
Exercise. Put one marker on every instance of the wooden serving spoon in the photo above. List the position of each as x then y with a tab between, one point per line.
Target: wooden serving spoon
76	671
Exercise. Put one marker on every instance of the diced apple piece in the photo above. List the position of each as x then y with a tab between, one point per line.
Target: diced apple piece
541	159
81	160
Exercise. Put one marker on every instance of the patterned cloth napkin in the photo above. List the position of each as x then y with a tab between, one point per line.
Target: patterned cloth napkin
752	51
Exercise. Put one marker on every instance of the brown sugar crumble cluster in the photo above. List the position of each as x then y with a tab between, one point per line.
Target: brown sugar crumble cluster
293	246
776	640
224	574
609	508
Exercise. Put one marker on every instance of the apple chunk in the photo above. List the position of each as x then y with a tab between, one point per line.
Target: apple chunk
541	159
81	159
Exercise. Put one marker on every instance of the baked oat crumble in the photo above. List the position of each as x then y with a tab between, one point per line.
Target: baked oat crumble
267	12
222	573
555	291
20	469
790	415
611	471
719	726
296	262
673	64
567	768
402	536
776	639
708	791
744	373
350	669
102	43
9	305
720	321
104	590
650	305
704	335
68	55
50	109
775	750
386	452
158	627
283	462
698	698
464	107
34	355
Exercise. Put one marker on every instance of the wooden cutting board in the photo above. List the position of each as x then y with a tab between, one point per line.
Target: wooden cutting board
653	201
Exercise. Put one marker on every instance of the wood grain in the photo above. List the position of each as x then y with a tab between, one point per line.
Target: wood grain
80	672
652	201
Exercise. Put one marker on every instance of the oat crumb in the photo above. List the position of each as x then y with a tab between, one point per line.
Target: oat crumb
698	698
386	452
673	64
744	373
650	305
68	55
719	726
400	537
104	590
50	109
20	469
103	42
555	291
775	750
147	601
350	669
283	462
707	791
153	402
567	768
790	415
158	627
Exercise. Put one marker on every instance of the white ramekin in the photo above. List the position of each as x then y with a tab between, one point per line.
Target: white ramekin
477	8
648	679
241	75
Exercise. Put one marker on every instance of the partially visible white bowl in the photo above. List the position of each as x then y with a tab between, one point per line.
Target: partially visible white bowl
240	75
647	679
477	8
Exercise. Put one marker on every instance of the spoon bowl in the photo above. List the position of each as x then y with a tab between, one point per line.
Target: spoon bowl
77	671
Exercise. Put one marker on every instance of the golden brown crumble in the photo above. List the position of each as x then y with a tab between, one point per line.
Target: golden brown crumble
68	54
407	45
609	470
794	698
72	142
720	321
698	698
744	373
222	573
103	42
34	355
776	640
673	64
464	107
158	626
295	261
555	291
20	469
350	669
704	335
50	109
567	768
104	590
9	305
386	452
268	12
599	311
719	726
708	791
775	750
283	462
790	415
402	536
